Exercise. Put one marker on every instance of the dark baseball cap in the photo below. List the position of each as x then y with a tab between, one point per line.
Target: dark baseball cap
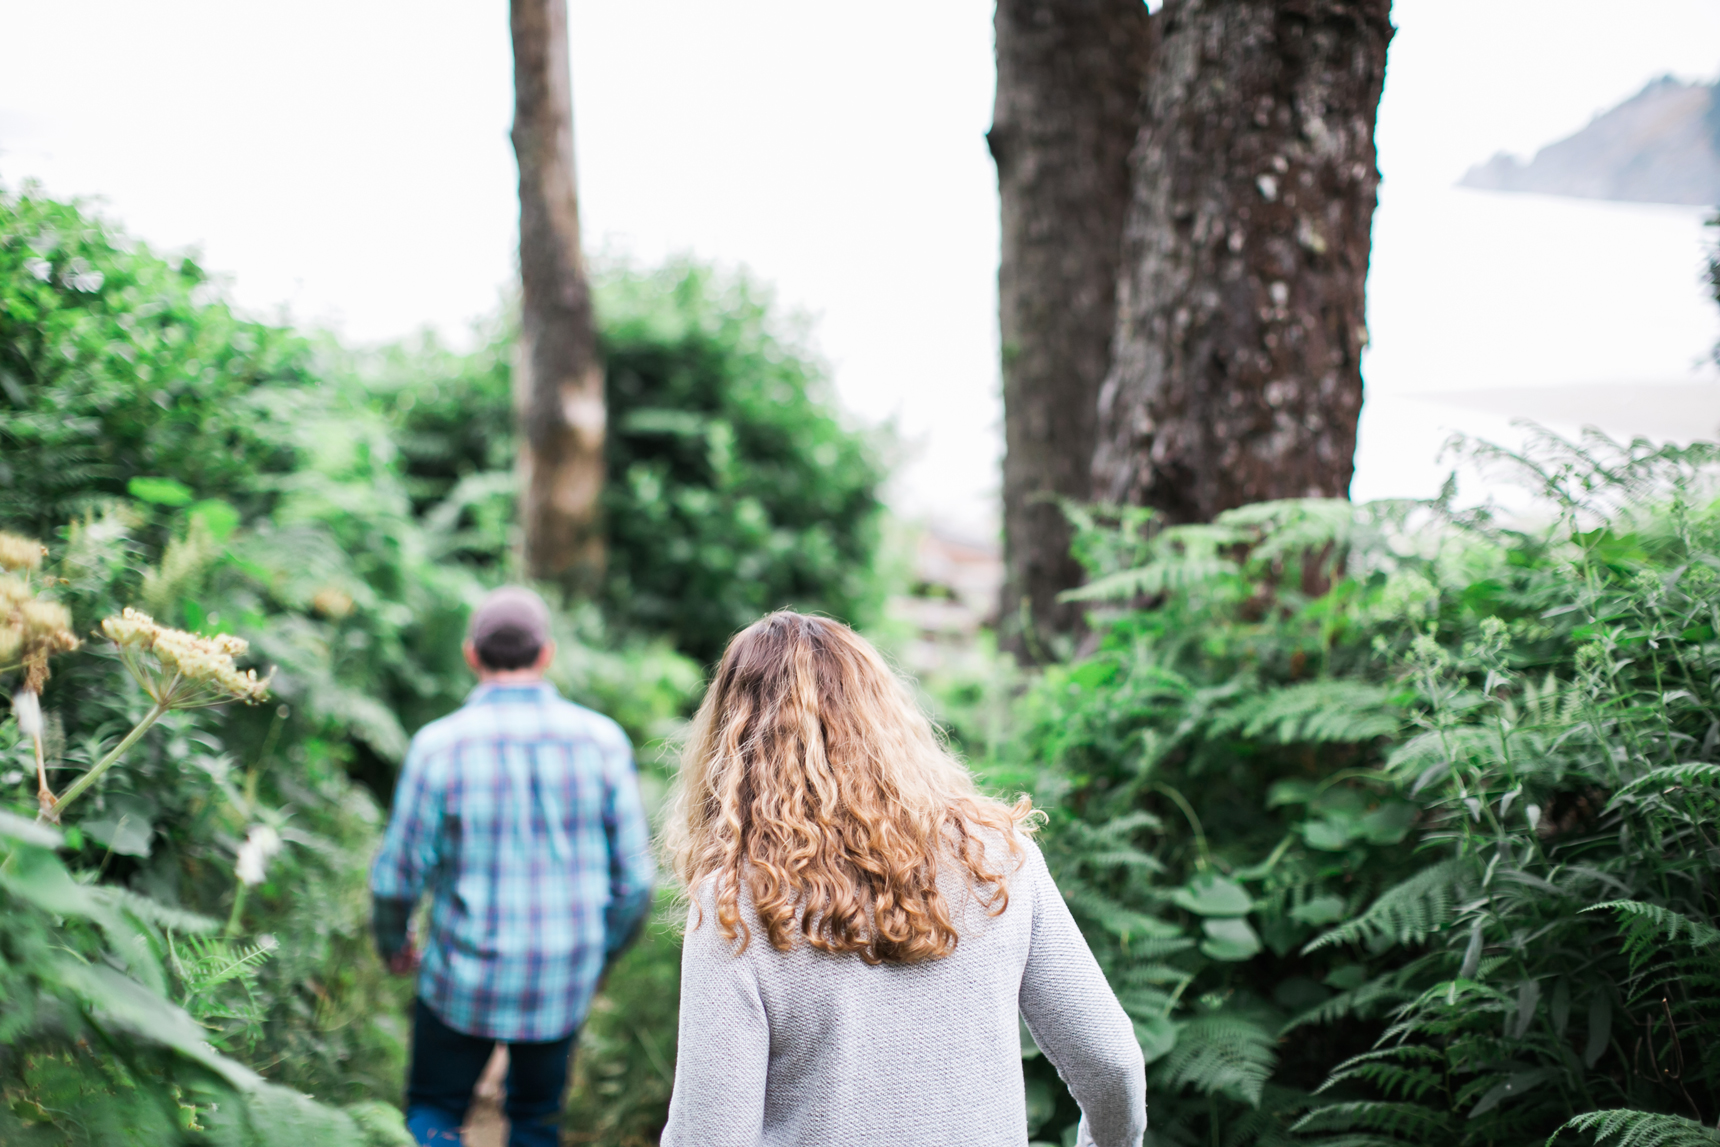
510	607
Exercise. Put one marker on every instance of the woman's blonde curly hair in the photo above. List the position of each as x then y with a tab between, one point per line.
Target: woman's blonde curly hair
811	774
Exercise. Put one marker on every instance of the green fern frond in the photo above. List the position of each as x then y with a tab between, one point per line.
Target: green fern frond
1423	759
1361	1001
154	912
1163	576
1292	527
1108	845
204	964
1404	1069
1145	1003
1685	775
1221	1054
1411	1119
1331	712
1406	913
1645	925
1626	1128
1154	974
1123	922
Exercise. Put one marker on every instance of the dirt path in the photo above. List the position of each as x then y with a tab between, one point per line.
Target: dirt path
486	1126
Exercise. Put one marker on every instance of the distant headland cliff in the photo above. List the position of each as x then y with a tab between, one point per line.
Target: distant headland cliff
1660	146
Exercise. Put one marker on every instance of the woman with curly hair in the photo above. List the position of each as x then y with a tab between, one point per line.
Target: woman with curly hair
865	926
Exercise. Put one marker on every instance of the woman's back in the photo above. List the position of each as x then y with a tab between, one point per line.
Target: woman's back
866	925
809	1049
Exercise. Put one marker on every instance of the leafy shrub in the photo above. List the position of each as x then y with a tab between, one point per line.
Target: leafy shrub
1391	825
625	1068
115	366
128	1015
732	487
273	504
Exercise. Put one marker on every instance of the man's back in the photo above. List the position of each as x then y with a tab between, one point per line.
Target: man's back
519	813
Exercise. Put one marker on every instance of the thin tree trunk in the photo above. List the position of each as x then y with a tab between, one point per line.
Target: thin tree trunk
558	378
1237	360
1068	97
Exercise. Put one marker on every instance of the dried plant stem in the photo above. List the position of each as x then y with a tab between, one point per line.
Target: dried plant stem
45	800
78	786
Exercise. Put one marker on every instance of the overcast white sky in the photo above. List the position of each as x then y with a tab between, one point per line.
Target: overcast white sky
349	161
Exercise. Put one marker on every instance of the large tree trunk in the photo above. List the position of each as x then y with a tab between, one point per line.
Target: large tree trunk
1237	360
558	379
1068	99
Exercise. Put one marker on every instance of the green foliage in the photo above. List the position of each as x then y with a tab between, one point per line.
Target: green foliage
299	994
1393	824
115	366
92	1049
732	487
1638	1129
625	1068
231	477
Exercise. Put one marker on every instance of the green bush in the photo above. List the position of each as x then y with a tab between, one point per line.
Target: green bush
625	1068
229	477
114	366
732	487
1392	825
165	823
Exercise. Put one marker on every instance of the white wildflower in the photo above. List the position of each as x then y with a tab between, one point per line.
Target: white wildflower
27	707
261	845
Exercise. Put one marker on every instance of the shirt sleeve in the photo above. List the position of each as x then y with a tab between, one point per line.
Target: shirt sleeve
1076	1021
724	1051
411	850
631	869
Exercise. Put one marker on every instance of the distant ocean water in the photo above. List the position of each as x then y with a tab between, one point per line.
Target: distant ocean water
1485	307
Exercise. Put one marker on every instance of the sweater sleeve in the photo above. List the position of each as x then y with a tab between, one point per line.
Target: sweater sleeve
1076	1021
724	1051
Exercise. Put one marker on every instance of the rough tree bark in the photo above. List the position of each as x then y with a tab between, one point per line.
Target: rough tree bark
1068	98
1236	372
558	378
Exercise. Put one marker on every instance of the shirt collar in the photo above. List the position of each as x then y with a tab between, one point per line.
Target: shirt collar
514	691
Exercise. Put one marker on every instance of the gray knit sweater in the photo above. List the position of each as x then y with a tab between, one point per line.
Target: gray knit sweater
806	1049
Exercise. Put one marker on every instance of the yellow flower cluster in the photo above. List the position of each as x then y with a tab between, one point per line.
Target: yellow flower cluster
32	629
18	554
187	670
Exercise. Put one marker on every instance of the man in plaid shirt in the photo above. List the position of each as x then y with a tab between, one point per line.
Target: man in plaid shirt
519	814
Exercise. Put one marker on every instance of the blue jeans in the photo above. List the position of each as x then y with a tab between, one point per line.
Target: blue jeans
445	1068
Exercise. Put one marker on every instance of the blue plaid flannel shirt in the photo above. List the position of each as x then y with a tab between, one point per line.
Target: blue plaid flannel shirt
519	814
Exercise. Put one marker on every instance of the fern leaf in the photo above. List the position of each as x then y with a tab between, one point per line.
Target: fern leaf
1409	1119
1360	1001
1405	1069
1222	1054
1331	712
153	911
1163	576
1686	775
1644	925
1406	913
1123	922
1625	1128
